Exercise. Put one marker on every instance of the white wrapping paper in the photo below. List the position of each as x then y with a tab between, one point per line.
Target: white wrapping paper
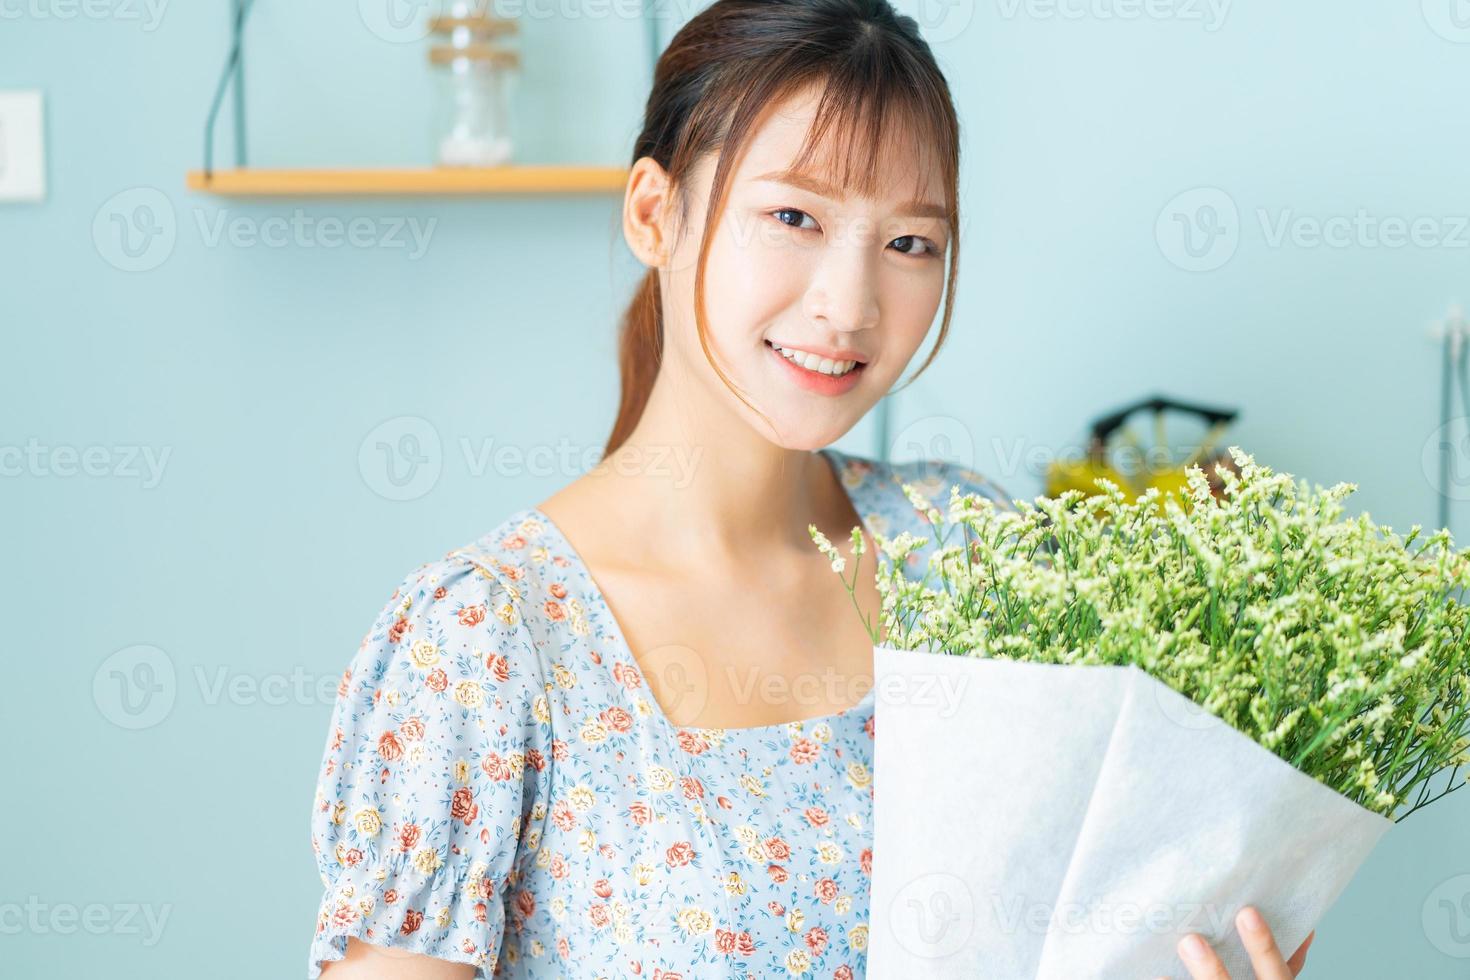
1060	822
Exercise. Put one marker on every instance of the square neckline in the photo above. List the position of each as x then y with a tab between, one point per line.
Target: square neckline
837	461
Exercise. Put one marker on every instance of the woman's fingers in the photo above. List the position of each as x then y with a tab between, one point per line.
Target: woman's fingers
1261	945
1266	961
1299	958
1200	959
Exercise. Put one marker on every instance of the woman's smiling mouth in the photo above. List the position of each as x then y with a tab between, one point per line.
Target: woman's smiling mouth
820	371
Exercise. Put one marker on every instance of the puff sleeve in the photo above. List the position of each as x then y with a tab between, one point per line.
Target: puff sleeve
437	762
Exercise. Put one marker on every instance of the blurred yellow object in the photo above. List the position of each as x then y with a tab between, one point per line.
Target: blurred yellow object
1175	482
1083	475
1171	478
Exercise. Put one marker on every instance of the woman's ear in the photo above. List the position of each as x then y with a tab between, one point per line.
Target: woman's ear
646	212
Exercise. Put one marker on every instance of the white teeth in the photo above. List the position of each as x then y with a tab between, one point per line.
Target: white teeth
812	362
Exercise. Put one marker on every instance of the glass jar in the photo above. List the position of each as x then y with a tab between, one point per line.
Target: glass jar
480	69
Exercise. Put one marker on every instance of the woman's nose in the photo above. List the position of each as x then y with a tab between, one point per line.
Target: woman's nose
843	291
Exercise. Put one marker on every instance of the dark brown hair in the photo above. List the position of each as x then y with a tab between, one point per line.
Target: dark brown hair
714	82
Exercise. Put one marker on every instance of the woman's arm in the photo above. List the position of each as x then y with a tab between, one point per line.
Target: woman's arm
437	759
365	961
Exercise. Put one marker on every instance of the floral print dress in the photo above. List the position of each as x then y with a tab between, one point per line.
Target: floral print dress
500	788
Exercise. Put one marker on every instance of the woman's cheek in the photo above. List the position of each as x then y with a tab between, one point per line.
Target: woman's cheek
758	272
909	302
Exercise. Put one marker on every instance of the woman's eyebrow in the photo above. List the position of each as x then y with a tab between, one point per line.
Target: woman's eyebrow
820	187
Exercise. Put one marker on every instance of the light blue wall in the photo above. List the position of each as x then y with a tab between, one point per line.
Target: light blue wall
267	545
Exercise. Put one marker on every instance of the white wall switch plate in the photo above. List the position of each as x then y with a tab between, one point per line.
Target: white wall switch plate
22	147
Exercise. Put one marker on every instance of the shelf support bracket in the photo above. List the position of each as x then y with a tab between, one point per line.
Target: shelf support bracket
234	71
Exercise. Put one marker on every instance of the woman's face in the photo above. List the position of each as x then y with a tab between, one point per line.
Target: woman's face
816	300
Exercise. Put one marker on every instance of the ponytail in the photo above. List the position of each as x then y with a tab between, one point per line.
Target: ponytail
640	349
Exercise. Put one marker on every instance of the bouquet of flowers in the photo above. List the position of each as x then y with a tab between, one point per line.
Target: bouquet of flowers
1101	724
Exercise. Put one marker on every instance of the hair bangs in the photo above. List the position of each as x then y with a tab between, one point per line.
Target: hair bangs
864	134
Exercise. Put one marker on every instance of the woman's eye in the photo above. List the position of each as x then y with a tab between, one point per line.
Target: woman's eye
800	216
920	246
915	245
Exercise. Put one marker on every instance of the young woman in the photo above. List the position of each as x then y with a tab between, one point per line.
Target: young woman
628	732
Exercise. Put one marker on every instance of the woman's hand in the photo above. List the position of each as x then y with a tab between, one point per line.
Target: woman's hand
1266	959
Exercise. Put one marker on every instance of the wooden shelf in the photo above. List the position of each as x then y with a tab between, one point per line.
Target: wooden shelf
515	179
